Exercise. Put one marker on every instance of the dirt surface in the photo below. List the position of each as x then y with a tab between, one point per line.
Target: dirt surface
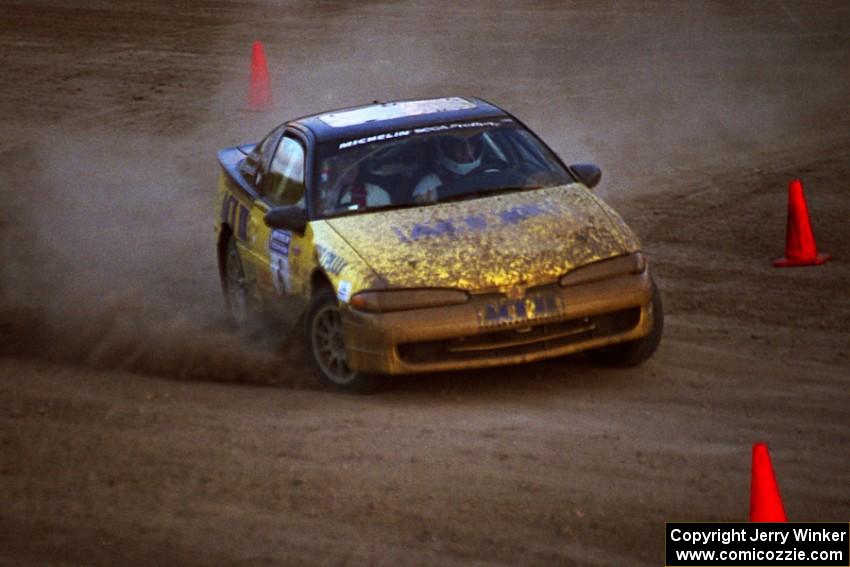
135	429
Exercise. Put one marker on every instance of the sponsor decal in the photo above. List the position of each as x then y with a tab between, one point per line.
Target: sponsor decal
330	261
454	227
374	138
456	125
343	292
279	241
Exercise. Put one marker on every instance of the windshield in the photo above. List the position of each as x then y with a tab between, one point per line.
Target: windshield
430	165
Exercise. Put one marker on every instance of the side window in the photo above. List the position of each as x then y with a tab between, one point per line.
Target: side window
284	184
253	166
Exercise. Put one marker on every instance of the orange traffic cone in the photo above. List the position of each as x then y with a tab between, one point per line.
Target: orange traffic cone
800	249
260	92
765	502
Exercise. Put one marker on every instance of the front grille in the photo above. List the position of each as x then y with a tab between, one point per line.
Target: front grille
524	340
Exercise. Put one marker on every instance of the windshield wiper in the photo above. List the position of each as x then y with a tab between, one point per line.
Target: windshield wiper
390	207
349	212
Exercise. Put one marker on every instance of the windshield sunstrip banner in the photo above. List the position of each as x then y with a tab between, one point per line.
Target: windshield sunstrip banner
423	130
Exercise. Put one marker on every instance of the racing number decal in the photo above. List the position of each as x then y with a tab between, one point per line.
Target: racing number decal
236	215
242	229
279	243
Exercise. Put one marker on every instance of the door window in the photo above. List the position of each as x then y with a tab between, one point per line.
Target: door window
284	183
256	163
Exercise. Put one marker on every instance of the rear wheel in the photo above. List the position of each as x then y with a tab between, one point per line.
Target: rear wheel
325	337
636	352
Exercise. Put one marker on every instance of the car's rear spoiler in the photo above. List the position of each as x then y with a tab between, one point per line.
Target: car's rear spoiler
231	156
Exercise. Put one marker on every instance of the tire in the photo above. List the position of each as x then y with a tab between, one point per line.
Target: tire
236	294
324	337
633	353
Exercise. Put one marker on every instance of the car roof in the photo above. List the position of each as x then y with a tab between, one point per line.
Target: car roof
378	117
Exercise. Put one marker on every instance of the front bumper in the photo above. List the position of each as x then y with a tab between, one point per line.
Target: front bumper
463	336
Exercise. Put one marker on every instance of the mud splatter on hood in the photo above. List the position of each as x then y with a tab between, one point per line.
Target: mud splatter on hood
526	238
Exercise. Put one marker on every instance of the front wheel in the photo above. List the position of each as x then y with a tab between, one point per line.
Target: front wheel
325	337
635	352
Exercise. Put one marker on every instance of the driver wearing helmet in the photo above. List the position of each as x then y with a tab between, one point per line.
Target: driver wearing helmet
457	156
343	187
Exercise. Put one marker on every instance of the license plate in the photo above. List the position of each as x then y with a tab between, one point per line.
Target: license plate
510	311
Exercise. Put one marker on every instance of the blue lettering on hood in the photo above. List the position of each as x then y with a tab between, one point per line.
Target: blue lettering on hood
521	212
452	228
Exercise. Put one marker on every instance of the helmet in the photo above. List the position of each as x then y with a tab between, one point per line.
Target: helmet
460	154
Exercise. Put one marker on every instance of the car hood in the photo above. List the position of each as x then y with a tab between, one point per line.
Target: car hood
522	238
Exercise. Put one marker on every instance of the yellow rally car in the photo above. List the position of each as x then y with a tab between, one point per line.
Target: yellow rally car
427	235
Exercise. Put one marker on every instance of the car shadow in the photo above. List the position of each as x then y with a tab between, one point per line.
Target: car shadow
571	375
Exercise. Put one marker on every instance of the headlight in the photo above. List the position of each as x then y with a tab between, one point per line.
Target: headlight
400	300
621	266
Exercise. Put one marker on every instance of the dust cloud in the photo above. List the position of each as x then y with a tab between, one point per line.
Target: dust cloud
98	268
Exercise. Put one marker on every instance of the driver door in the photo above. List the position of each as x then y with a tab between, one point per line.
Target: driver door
274	253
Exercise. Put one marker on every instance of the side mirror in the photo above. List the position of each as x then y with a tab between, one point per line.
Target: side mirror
288	218
587	173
